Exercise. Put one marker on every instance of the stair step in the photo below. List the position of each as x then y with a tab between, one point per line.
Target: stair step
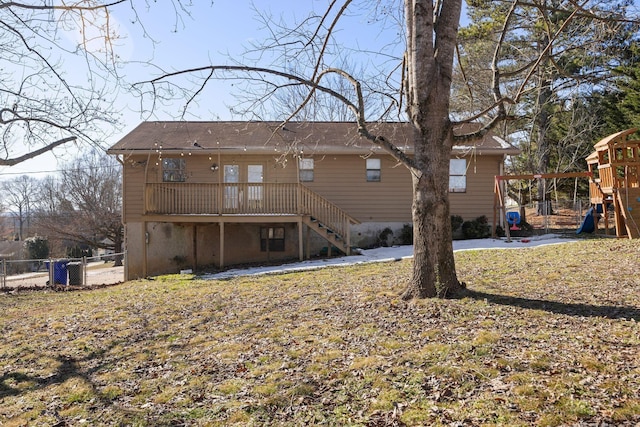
329	234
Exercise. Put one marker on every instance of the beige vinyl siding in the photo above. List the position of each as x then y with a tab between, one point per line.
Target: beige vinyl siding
343	180
134	168
478	199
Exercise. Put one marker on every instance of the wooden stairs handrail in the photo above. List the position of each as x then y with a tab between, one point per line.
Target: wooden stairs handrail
327	219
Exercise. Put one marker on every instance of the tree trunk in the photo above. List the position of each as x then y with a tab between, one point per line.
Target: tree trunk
117	246
434	270
429	65
542	123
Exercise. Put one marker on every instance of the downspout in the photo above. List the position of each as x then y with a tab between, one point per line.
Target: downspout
122	219
145	243
299	209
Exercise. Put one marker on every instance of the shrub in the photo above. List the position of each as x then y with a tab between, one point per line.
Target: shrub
406	235
79	251
383	238
477	228
456	222
37	247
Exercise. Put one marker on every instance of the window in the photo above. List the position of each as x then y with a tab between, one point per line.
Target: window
306	170
458	175
273	237
373	170
174	170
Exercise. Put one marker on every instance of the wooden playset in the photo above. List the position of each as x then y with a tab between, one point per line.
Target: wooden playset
614	186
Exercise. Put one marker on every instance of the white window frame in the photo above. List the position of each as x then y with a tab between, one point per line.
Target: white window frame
374	170
306	167
458	175
174	169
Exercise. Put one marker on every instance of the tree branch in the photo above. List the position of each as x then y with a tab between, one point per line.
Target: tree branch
32	154
59	7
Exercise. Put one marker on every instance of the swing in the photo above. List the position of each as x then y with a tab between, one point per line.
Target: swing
513	219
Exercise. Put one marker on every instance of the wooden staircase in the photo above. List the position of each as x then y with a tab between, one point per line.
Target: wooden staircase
627	209
327	220
333	238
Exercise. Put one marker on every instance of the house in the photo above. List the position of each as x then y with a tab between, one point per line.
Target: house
102	252
202	194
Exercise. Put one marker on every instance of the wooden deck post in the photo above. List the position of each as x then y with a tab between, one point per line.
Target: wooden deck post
308	243
348	227
300	240
195	247
145	243
221	244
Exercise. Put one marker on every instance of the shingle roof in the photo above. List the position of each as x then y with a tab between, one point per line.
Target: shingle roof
265	137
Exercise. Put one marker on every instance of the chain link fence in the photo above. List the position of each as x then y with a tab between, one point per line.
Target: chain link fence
61	274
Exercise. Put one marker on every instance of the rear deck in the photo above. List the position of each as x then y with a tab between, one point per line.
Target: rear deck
248	203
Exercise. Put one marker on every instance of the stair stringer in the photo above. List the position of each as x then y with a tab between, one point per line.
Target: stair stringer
329	235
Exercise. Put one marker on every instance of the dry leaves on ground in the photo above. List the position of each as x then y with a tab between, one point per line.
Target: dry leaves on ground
545	336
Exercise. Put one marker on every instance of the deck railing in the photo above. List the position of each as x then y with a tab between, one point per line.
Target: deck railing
181	198
618	176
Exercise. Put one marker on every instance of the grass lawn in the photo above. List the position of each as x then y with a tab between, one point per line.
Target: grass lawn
546	336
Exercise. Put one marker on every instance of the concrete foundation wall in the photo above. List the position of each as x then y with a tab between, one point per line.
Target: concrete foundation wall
373	234
171	247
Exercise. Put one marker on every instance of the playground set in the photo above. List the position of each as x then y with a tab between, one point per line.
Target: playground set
614	188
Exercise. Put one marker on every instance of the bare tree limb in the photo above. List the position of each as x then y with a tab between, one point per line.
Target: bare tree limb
35	153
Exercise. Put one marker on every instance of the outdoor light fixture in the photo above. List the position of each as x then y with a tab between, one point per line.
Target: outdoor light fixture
214	167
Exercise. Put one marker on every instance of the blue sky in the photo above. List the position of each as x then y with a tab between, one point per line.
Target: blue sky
216	33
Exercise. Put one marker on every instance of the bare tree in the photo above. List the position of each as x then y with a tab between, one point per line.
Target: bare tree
84	206
573	48
417	87
20	195
59	78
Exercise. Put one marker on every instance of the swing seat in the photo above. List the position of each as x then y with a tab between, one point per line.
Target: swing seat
513	219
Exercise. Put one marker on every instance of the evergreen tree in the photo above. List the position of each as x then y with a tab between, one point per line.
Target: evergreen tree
565	56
